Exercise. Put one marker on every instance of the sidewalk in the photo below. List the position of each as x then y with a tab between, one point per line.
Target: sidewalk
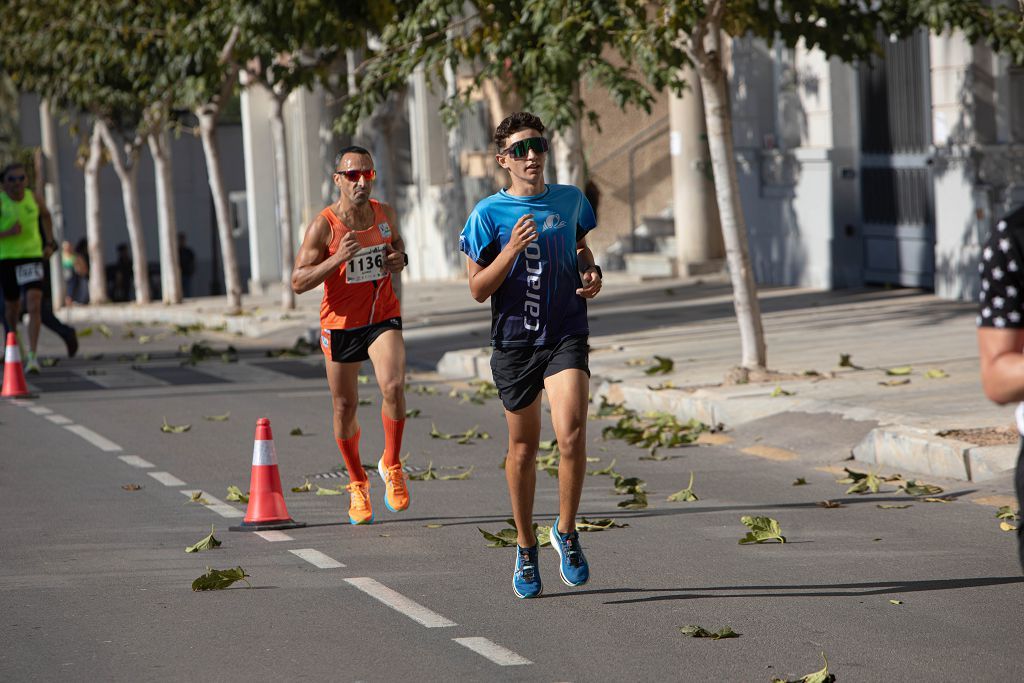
692	322
806	332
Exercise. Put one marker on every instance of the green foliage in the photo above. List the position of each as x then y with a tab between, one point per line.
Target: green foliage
539	49
701	632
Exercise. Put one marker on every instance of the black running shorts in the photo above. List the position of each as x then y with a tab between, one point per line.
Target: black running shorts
519	373
353	346
17	274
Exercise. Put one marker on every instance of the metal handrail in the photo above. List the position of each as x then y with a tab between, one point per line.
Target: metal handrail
636	139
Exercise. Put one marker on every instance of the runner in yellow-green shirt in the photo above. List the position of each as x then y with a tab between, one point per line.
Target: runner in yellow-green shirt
26	239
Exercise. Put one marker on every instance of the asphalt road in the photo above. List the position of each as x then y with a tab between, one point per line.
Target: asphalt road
95	583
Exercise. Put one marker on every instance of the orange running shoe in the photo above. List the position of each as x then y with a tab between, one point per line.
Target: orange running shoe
396	493
359	510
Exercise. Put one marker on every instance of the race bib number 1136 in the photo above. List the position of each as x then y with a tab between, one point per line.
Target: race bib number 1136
367	265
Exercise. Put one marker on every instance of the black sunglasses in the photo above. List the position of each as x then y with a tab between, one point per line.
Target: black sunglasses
519	150
354	175
16	178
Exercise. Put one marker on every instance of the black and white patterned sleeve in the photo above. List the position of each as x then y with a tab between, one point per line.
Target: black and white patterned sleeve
1001	299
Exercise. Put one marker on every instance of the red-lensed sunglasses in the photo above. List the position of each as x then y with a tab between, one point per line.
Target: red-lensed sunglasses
354	175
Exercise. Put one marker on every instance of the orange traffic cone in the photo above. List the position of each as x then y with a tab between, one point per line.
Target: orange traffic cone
266	500
14	377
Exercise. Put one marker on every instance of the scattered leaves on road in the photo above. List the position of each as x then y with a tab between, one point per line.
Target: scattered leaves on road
762	529
218	418
205	543
218	579
936	373
607	409
662	366
1005	512
412	412
830	504
584	524
197	497
895	382
506	538
701	632
655	430
235	494
685	495
433	526
895	602
912	487
462	438
422	389
942	499
860	482
800	481
606	471
131	487
305	488
820	676
105	330
886	506
1006	526
296	431
174	429
49	362
779	391
661	386
846	362
900	371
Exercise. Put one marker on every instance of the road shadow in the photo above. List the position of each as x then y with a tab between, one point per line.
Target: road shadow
828	590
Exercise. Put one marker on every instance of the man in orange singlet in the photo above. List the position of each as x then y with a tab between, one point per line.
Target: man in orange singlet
354	249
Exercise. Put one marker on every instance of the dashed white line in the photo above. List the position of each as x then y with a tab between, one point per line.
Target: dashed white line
316	558
273	536
218	506
492	651
400	603
166	478
59	419
135	461
40	410
100	442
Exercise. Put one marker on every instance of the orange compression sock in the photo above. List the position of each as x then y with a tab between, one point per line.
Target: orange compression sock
392	439
350	452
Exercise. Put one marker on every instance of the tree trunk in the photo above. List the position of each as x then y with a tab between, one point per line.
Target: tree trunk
284	206
730	210
93	227
167	221
127	172
51	195
568	149
232	280
456	201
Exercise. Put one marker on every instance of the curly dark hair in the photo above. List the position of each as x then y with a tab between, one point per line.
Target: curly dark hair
513	123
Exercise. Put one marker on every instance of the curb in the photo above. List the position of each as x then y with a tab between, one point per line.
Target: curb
894	444
246	325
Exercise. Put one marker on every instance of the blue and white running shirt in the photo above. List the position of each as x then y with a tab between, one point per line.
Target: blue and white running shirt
537	304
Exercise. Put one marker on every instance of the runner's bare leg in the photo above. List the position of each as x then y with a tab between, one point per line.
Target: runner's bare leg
568	394
34	300
387	353
342	378
521	467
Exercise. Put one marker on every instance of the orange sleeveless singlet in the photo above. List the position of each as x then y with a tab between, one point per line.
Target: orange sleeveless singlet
359	293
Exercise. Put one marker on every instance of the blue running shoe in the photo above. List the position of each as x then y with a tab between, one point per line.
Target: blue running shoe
526	577
572	565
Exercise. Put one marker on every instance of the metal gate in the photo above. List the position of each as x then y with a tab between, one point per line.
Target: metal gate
897	202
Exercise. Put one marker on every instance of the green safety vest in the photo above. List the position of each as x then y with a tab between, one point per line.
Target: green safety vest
29	242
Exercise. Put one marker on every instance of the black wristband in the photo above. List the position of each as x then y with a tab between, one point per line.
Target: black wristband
406	257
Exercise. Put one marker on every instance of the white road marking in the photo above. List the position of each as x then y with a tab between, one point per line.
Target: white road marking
400	603
58	419
273	536
40	410
316	558
166	478
135	461
492	651
100	442
218	506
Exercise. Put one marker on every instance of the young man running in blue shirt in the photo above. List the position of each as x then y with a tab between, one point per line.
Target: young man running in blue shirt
527	251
